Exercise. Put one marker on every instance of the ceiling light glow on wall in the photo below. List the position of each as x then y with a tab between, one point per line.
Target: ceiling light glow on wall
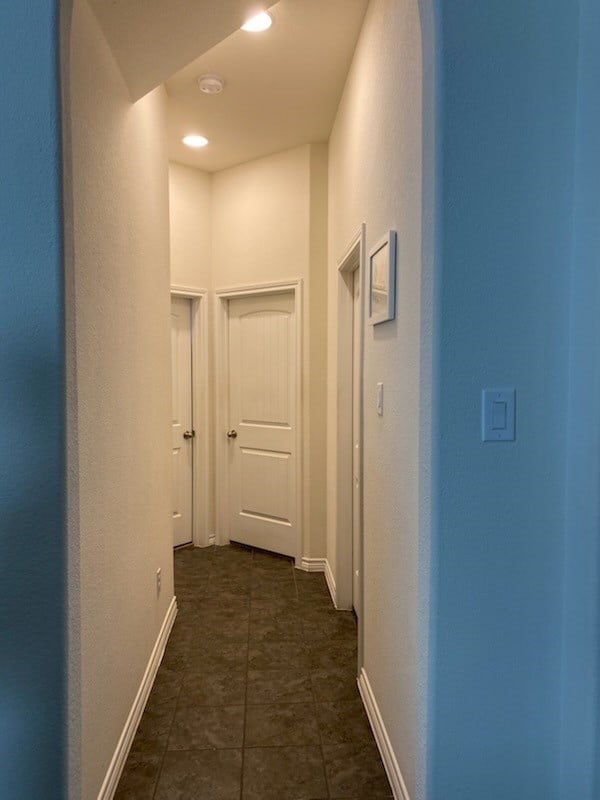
194	140
261	22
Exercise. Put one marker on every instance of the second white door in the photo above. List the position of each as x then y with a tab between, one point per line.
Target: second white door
261	447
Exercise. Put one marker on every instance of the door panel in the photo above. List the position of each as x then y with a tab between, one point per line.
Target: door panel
262	410
264	368
265	485
181	398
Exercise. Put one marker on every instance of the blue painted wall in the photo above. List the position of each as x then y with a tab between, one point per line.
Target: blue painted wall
32	585
507	104
581	656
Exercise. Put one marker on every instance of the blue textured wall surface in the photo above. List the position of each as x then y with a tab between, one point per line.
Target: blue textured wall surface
581	662
32	585
429	23
508	100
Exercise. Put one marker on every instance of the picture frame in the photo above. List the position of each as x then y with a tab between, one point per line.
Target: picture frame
382	279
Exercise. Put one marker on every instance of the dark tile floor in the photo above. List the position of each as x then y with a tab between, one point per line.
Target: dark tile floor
256	695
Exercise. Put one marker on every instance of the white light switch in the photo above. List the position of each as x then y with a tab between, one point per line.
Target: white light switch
380	399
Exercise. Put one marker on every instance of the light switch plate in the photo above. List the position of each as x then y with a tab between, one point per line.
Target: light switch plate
498	415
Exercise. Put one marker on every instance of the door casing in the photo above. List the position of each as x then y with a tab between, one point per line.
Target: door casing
352	259
222	297
201	505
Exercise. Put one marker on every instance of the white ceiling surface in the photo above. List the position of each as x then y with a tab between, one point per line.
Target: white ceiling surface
282	87
152	39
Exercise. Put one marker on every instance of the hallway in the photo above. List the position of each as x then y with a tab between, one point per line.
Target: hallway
256	696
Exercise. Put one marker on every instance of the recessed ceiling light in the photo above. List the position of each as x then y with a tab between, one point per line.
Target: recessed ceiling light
261	22
193	140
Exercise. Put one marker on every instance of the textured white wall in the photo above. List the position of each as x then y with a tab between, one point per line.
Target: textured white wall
119	404
261	213
190	210
375	177
315	465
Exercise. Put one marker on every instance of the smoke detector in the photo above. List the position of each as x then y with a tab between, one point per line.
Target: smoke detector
211	84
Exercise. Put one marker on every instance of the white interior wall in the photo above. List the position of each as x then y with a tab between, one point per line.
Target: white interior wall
261	213
118	346
315	464
375	177
190	214
268	223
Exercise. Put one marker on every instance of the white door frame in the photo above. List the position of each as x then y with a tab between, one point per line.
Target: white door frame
352	259
200	412
222	297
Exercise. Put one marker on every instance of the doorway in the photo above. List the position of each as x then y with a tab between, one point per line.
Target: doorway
190	422
349	521
182	423
259	418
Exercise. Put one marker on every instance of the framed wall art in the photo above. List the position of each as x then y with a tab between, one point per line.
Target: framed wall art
382	280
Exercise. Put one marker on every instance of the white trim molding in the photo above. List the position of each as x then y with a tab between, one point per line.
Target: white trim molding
312	564
390	762
273	287
115	768
351	260
320	565
331	583
187	291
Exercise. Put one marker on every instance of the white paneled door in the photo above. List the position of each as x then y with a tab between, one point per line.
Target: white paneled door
182	430
262	431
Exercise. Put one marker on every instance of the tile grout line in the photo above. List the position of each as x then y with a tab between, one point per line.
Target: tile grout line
295	585
246	686
164	755
307	645
314	700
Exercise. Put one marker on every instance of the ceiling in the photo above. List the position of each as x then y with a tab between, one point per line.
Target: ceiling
152	39
282	87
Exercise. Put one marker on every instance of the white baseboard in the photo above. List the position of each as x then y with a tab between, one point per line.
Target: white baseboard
212	539
313	564
331	583
320	565
115	768
381	737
